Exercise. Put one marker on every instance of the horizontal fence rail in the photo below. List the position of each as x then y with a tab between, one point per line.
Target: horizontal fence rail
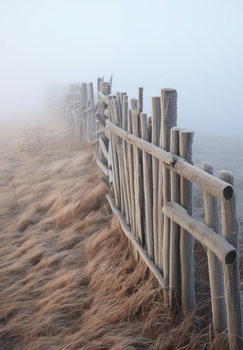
147	164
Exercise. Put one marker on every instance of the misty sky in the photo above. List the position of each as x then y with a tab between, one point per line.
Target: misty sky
194	46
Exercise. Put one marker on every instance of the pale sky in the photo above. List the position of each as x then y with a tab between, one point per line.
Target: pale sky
194	46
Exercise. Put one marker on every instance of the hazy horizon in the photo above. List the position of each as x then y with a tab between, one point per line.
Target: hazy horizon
191	46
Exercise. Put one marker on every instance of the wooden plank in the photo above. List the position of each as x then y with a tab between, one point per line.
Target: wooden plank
214	265
149	242
230	232
136	244
188	300
204	234
175	269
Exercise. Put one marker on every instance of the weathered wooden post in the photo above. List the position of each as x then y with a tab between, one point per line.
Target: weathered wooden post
169	120
156	120
147	190
231	271
186	240
175	268
214	265
137	180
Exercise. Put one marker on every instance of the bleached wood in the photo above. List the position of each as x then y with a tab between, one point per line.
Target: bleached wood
131	170
175	273
205	235
209	183
103	97
91	111
102	166
140	100
115	168
110	82
147	184
133	104
125	159
231	272
214	265
186	240
169	120
136	244
160	154
110	163
101	118
118	142
103	147
156	120
137	181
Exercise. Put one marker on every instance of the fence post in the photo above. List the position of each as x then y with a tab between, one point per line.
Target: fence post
140	100
168	120
214	265
147	190
137	180
175	273
231	272
186	240
156	120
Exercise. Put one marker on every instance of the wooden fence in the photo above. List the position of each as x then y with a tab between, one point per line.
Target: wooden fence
147	162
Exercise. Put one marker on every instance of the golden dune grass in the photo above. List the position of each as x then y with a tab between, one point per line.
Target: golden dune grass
67	278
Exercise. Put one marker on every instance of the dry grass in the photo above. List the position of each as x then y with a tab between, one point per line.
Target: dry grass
67	278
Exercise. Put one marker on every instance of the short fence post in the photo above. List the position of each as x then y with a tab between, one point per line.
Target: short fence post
214	265
231	271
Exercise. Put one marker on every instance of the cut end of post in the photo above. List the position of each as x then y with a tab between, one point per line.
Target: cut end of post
228	192
230	257
168	90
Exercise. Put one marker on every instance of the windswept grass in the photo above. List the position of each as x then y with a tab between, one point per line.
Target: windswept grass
67	278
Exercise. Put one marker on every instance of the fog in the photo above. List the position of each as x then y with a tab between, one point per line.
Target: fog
193	46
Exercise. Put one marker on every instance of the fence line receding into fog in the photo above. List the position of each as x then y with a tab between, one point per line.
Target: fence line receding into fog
147	164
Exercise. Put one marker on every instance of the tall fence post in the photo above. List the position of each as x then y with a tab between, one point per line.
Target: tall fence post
186	240
156	120
175	273
147	190
168	120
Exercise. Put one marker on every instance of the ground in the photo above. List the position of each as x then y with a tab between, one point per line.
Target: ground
67	277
